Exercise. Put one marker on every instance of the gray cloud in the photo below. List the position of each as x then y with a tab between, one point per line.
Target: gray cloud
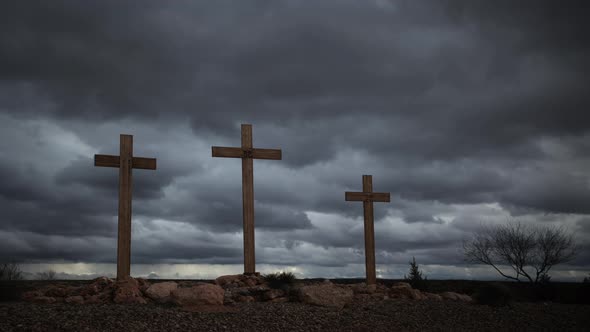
452	106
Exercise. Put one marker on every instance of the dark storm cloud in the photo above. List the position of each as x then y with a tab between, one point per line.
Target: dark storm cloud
217	206
39	247
15	183
278	64
583	224
147	184
557	192
89	59
174	252
448	102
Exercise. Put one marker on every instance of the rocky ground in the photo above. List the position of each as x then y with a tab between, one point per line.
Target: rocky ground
372	315
248	303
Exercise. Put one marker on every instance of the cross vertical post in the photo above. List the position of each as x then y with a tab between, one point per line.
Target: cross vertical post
369	232
367	196
125	161
124	220
247	153
248	201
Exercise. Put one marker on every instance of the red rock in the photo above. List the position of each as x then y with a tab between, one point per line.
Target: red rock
245	298
103	281
402	284
43	299
239	280
450	296
456	296
76	299
201	294
30	295
403	290
273	294
279	300
56	291
465	298
160	292
89	290
143	284
432	296
127	291
363	288
250	282
228	279
379	295
93	299
326	294
98	285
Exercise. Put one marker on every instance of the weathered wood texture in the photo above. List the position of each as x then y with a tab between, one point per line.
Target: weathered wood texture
271	154
247	153
368	197
125	162
362	196
125	184
115	161
248	201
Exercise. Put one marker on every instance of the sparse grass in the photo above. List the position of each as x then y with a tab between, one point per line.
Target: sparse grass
280	280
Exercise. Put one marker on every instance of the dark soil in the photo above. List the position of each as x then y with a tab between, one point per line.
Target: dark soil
384	315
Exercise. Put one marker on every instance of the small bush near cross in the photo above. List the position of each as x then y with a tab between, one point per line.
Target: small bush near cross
280	280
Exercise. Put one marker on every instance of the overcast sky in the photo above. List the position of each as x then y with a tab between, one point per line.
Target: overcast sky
467	112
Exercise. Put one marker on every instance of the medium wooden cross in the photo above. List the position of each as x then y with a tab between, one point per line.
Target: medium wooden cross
247	153
368	197
125	161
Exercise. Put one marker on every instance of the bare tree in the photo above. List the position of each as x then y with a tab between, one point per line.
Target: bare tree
10	271
47	275
529	251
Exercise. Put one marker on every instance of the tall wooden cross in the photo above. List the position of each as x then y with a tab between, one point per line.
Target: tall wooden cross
125	161
247	153
367	196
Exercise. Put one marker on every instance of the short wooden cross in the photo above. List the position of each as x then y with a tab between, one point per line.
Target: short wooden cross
247	153
368	197
125	161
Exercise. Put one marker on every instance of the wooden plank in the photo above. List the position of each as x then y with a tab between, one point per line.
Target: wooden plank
361	196
369	243
369	232
225	152
248	202
355	196
379	197
105	160
248	154
270	154
144	163
124	231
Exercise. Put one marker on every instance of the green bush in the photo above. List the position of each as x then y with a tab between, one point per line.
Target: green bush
282	280
415	278
493	294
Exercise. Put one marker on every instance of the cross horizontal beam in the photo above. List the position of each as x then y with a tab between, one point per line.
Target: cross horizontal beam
227	152
105	160
362	196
